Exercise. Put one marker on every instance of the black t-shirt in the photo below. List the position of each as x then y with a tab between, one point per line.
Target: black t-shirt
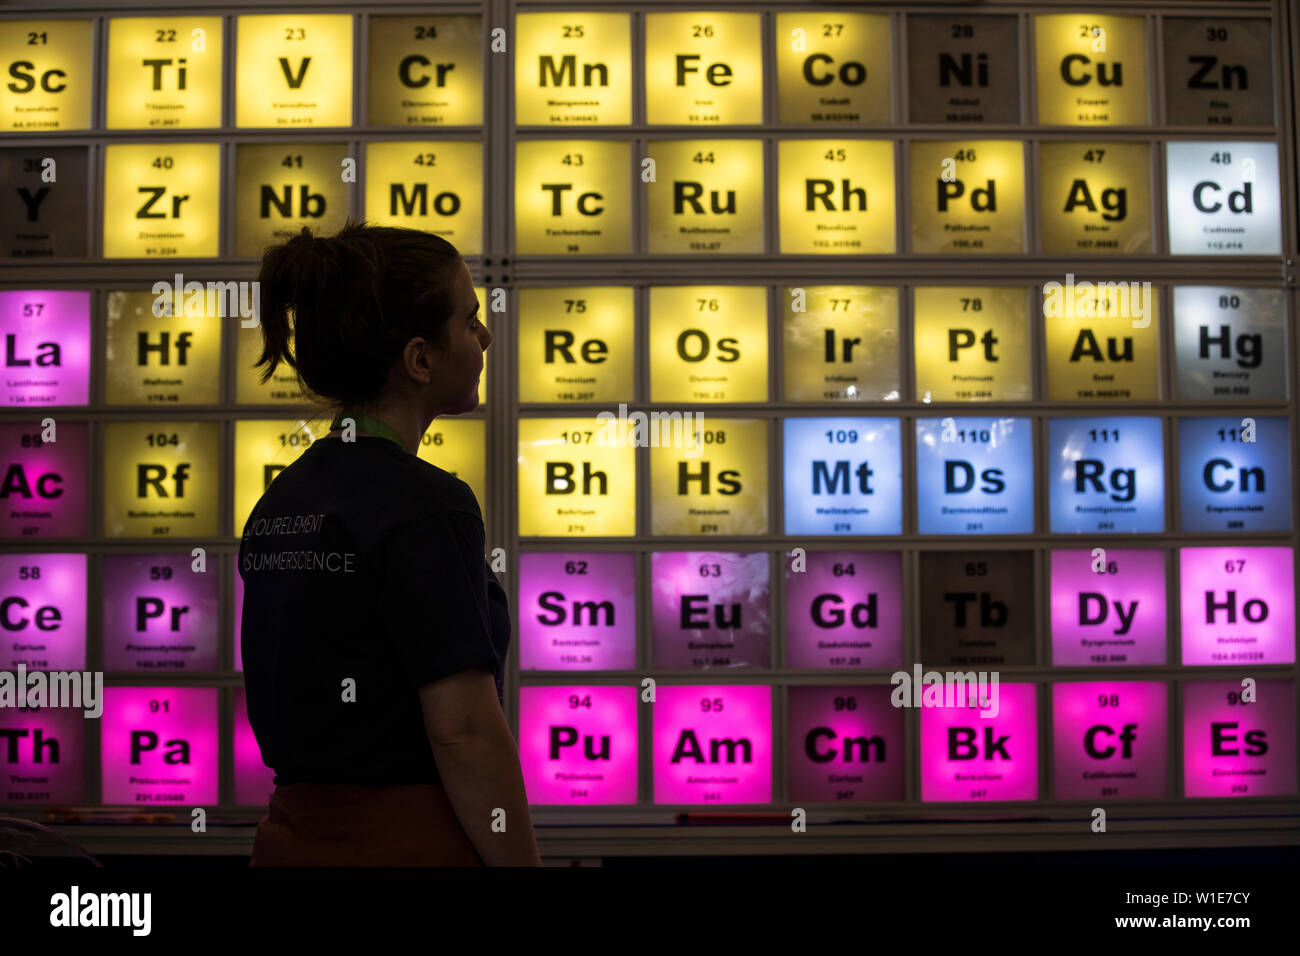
362	562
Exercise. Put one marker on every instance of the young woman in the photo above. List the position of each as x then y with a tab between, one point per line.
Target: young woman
374	632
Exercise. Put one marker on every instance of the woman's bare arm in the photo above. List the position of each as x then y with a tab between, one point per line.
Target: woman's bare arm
478	760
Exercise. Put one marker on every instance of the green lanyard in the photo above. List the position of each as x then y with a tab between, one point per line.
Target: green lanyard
372	425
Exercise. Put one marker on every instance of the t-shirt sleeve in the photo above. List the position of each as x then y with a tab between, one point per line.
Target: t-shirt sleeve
434	597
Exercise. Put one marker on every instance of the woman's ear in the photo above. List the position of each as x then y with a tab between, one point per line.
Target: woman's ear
419	359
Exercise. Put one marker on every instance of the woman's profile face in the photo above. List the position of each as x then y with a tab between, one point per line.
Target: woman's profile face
467	340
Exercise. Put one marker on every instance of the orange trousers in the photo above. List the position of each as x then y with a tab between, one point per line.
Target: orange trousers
328	824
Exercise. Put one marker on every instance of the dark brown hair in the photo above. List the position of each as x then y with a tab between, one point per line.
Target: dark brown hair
355	299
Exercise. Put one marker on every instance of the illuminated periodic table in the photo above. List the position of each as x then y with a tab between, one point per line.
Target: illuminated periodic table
989	314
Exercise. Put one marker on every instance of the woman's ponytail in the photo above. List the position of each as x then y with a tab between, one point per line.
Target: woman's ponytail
284	271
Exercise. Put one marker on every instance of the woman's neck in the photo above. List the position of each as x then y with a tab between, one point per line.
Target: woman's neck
403	419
